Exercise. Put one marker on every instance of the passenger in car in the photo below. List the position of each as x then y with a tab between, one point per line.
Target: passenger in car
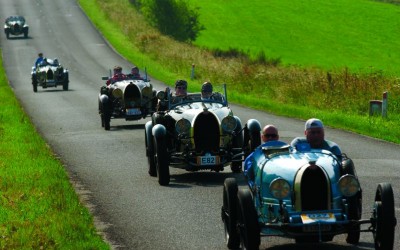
315	139
269	137
134	74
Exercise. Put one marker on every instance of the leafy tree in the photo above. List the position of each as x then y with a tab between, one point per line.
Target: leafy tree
172	17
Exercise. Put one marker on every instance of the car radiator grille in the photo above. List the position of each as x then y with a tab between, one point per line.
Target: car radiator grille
50	74
315	192
132	96
206	133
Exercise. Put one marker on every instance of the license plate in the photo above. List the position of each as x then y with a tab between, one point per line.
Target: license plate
133	112
312	218
207	160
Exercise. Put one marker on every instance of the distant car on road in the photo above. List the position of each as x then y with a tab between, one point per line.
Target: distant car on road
126	98
49	73
16	25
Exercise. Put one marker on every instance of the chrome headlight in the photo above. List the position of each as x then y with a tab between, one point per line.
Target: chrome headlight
183	126
279	188
348	185
117	93
147	92
228	124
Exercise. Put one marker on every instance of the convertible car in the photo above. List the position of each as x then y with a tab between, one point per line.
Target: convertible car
307	195
49	73
193	134
129	99
16	25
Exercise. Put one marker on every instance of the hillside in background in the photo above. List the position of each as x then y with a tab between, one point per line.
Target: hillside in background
362	35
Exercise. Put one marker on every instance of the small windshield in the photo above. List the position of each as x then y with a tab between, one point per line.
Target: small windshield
15	19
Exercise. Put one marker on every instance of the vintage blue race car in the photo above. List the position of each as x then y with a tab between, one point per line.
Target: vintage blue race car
193	134
307	195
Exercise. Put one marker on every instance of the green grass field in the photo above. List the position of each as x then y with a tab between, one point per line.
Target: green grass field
358	34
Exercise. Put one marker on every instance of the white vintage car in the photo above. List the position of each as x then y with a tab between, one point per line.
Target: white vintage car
193	134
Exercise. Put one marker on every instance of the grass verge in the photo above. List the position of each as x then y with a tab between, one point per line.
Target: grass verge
39	208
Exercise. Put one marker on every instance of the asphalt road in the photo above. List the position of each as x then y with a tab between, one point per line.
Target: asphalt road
109	168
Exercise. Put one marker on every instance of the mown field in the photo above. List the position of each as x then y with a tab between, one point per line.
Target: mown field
332	89
361	35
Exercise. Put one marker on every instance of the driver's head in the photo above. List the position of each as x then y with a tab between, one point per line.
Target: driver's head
269	133
117	70
206	90
314	132
181	88
40	54
135	70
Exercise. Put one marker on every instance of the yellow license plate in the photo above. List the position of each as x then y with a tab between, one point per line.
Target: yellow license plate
322	217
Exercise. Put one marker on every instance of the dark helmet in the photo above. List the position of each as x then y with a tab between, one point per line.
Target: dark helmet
40	54
207	87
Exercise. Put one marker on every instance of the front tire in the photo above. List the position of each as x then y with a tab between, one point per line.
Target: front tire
161	161
150	150
248	221
34	84
384	217
229	213
66	82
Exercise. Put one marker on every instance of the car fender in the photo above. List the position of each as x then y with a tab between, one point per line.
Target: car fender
104	99
238	138
253	125
159	131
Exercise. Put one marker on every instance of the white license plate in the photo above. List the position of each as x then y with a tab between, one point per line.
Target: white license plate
133	112
207	160
312	218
